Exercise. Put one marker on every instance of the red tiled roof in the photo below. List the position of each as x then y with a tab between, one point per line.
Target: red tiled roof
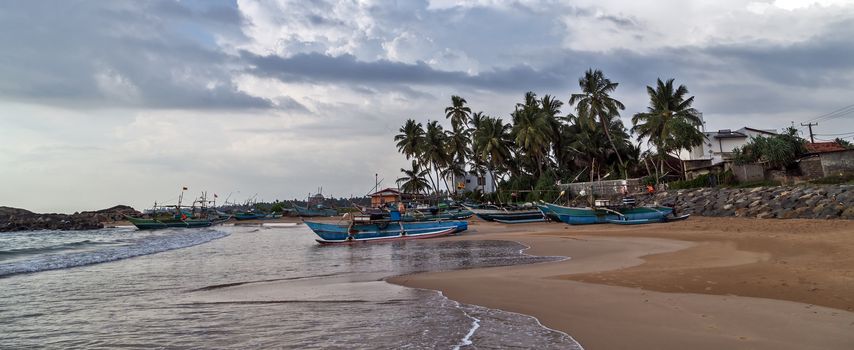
824	147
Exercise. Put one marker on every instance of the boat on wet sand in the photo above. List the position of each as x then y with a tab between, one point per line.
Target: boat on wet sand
364	228
617	215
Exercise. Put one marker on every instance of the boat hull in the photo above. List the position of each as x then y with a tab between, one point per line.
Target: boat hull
492	215
448	215
548	212
378	232
586	216
154	224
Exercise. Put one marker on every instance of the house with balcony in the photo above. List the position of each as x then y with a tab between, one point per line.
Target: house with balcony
717	146
717	149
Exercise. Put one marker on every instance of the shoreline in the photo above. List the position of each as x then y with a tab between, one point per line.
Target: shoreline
619	287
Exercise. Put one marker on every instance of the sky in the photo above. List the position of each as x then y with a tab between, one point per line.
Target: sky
125	102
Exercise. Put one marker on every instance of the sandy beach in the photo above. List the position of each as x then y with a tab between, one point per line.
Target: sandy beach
705	283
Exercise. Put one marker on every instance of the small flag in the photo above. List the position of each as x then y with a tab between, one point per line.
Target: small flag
185	188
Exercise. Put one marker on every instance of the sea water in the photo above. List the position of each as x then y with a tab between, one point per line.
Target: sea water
246	287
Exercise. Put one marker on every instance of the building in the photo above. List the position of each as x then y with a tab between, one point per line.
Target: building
713	155
388	195
471	182
718	146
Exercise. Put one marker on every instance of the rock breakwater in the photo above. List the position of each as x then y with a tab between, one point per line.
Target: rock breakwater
783	202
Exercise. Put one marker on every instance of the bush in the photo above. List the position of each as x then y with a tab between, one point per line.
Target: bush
699	181
723	179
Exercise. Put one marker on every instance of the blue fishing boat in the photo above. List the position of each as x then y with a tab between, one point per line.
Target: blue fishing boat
256	216
506	214
518	217
365	229
600	215
550	214
436	215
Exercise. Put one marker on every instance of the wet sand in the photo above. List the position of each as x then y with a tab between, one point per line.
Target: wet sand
704	283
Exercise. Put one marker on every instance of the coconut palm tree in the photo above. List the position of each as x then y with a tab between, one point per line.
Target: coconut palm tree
670	123
414	180
532	134
410	141
435	150
458	112
493	142
595	103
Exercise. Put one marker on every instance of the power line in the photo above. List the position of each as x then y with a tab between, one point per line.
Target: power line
843	110
841	134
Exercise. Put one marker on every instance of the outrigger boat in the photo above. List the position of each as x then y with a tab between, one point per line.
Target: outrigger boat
624	215
436	215
378	228
256	216
201	216
508	216
550	214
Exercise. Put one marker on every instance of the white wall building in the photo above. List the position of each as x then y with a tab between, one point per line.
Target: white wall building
718	145
472	182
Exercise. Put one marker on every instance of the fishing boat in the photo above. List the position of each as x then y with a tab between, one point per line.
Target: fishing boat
367	228
602	214
183	216
256	216
550	214
518	217
437	215
522	214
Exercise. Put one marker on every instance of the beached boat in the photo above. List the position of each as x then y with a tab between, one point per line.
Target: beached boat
518	217
436	215
600	215
365	229
492	213
551	215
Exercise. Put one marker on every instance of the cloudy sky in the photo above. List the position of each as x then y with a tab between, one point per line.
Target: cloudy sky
124	102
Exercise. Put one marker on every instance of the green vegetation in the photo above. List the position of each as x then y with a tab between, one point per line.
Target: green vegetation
539	144
778	151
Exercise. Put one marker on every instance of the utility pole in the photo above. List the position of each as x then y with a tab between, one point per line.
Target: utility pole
810	125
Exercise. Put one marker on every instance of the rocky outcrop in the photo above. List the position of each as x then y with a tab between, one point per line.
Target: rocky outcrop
783	202
14	219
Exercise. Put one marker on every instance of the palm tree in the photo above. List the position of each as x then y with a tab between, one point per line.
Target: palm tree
595	103
551	108
458	112
413	180
670	123
410	141
435	150
493	142
533	134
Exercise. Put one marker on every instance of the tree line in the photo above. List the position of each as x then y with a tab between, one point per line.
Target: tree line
540	143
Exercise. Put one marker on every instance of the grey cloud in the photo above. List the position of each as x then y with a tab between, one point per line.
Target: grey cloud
316	67
162	53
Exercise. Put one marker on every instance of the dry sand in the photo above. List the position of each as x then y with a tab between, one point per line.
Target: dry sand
704	283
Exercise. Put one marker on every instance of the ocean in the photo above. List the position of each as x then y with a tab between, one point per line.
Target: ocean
240	287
